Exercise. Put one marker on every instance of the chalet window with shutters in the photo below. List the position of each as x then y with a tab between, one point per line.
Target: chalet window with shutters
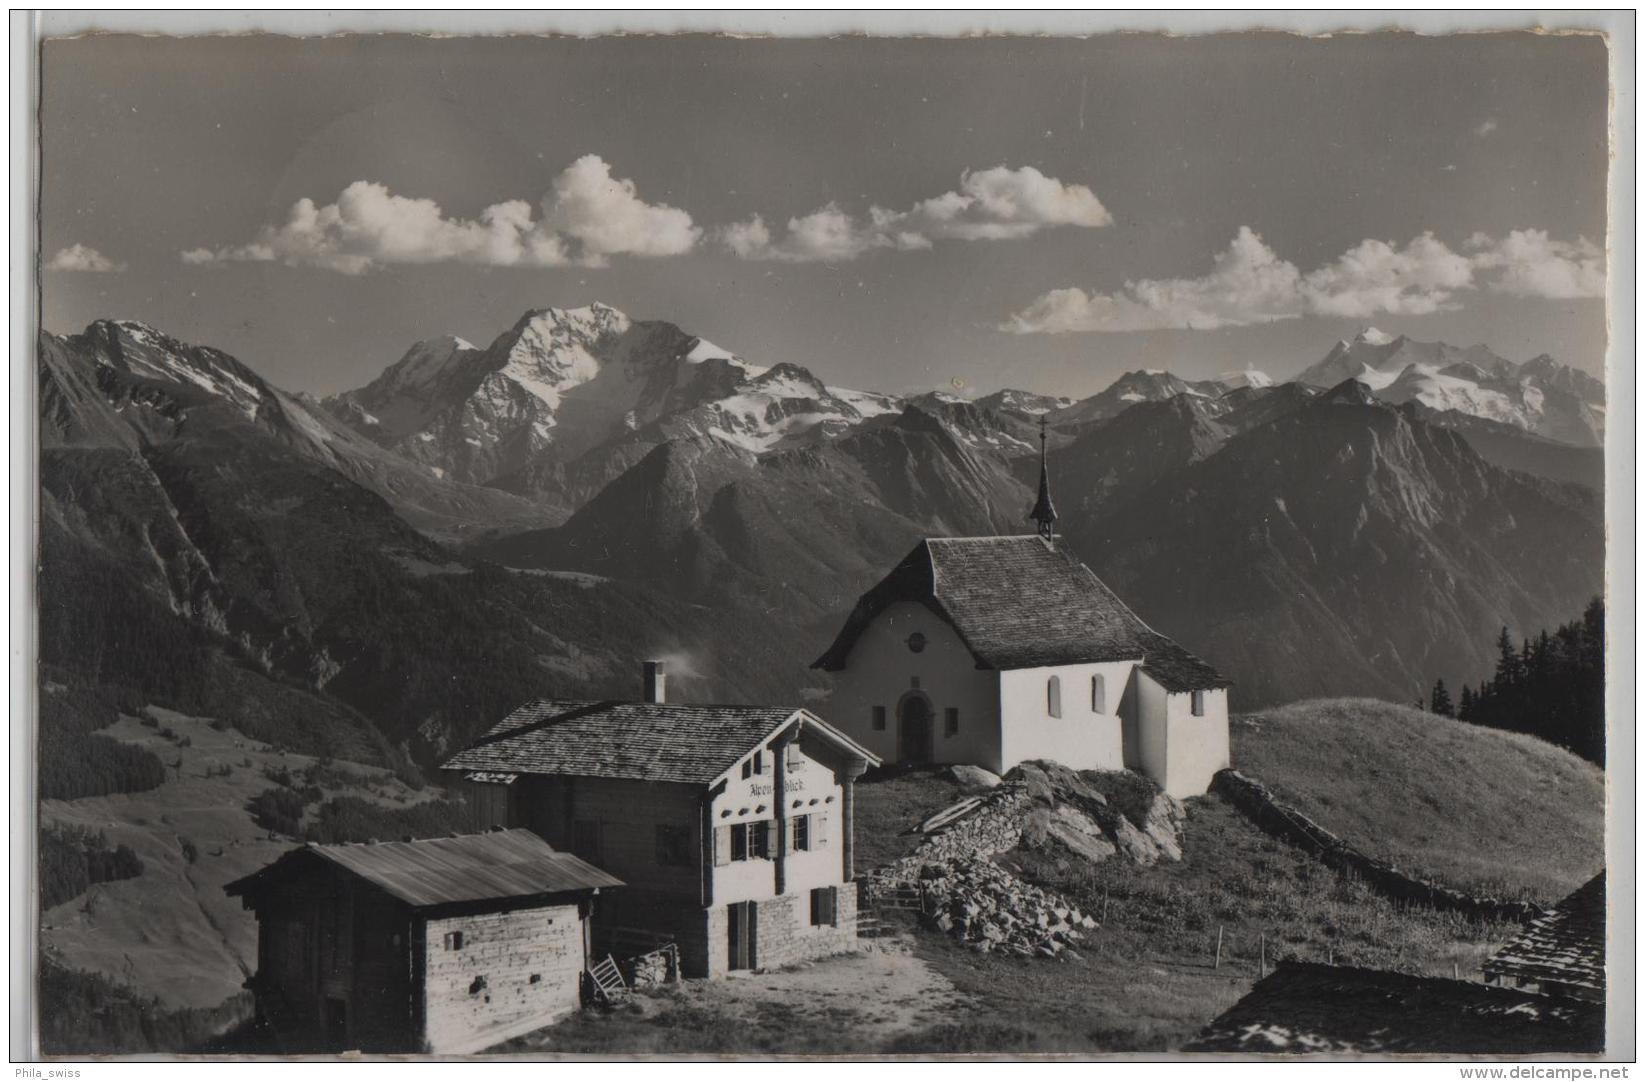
1196	701
1099	695
743	841
879	719
951	721
1053	697
824	907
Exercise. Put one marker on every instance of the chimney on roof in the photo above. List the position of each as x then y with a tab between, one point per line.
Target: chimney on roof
656	682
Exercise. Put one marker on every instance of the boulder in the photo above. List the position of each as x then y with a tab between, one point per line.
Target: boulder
1034	780
1137	846
972	778
1080	833
1163	826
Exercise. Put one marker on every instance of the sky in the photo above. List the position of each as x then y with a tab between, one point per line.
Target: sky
895	215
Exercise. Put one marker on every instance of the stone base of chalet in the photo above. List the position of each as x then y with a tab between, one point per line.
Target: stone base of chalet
782	930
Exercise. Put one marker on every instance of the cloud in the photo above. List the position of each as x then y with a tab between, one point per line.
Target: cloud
1375	277
588	216
990	204
1528	263
608	218
1486	127
1249	283
79	258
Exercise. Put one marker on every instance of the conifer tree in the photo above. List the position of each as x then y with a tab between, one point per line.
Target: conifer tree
1507	665
1440	701
1551	686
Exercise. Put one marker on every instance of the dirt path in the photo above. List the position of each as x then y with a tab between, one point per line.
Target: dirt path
874	996
856	1003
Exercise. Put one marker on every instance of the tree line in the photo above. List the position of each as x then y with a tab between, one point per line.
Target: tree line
73	859
1551	686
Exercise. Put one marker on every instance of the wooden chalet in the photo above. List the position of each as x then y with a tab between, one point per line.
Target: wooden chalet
731	825
439	945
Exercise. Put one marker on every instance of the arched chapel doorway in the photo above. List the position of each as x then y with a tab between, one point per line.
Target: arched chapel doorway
914	729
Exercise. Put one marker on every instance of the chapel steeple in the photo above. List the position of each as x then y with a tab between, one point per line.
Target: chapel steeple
1044	514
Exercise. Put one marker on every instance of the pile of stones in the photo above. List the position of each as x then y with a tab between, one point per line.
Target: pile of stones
994	827
989	909
963	892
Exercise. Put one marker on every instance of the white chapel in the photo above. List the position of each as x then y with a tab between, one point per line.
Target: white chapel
998	650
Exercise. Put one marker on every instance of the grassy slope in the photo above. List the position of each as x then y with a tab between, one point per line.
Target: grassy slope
1471	807
891	803
171	935
1146	979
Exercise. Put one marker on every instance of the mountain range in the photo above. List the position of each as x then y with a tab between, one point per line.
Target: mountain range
1540	396
566	399
479	525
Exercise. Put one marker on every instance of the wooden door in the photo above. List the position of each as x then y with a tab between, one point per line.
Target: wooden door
742	934
914	730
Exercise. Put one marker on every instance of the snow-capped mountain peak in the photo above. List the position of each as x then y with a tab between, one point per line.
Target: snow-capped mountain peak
552	350
1249	377
562	384
147	353
1541	396
1012	400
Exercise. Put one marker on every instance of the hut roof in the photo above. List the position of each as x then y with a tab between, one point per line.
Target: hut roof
494	866
639	741
1563	947
1312	1009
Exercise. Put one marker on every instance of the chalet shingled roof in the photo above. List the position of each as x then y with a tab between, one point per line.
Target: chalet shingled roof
1309	1008
1019	603
1564	949
495	866
637	741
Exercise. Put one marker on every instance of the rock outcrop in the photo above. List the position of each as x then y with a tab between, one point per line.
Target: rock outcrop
1089	815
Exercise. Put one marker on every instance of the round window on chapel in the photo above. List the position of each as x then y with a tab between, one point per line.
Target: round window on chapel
916	642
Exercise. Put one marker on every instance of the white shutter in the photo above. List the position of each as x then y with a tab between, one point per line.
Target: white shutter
819	829
722	846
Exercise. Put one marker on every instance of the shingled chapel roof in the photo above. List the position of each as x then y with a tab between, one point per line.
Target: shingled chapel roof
1022	602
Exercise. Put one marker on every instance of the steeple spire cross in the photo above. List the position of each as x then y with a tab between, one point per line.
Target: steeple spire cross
1044	514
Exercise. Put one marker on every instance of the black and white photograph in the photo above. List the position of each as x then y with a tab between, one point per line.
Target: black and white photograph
927	542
